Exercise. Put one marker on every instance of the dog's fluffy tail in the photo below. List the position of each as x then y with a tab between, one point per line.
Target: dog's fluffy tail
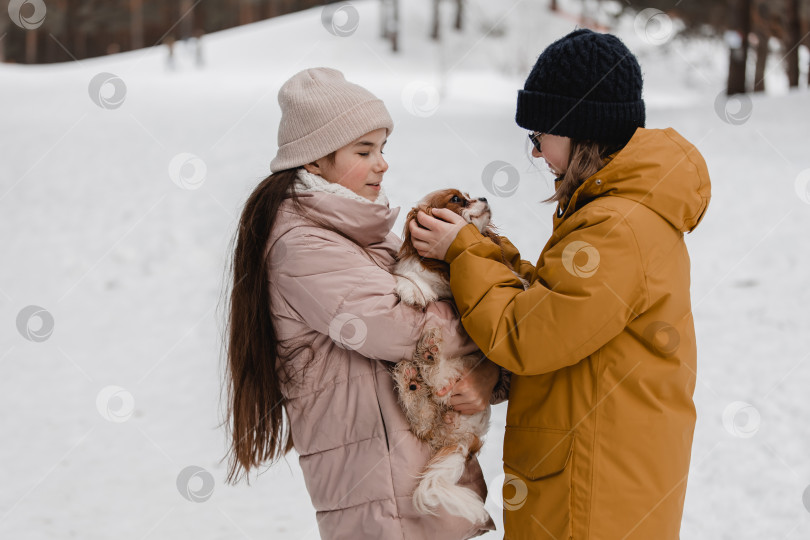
438	487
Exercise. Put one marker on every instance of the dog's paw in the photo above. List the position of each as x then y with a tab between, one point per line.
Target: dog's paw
429	349
409	292
407	377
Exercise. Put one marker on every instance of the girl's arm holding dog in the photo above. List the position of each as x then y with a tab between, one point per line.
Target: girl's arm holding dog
332	288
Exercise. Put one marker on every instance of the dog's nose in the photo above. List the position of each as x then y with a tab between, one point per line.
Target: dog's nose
482	199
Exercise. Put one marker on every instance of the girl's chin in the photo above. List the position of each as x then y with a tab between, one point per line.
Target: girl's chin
369	194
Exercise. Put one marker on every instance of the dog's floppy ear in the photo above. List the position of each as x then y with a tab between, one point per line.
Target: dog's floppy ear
406	231
407	246
491	232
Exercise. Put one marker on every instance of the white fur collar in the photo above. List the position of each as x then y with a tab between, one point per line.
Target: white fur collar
308	182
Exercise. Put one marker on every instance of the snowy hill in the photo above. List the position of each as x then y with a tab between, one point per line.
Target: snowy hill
118	203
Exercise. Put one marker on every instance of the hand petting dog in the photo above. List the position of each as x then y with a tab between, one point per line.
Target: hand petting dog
434	237
470	394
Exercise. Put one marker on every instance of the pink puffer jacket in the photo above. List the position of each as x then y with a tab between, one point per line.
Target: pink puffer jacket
359	459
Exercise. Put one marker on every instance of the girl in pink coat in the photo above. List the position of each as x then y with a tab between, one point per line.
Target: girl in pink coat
314	323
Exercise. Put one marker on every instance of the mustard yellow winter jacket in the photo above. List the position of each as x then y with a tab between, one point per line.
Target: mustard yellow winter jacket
602	347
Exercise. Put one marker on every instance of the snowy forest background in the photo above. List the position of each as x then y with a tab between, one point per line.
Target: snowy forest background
134	130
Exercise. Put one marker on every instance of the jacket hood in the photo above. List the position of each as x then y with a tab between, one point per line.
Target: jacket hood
659	169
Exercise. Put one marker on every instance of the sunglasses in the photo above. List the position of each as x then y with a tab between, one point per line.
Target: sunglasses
536	138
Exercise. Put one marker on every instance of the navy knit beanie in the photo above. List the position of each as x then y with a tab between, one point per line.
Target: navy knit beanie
585	86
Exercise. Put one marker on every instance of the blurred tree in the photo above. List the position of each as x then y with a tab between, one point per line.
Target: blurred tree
737	40
786	20
389	22
86	28
760	26
793	35
3	25
434	33
185	24
136	23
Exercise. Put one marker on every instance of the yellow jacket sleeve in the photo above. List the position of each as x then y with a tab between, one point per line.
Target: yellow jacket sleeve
589	284
524	268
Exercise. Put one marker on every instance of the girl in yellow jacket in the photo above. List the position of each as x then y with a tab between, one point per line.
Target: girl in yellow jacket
602	344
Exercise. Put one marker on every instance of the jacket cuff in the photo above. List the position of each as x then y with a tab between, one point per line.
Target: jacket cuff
466	237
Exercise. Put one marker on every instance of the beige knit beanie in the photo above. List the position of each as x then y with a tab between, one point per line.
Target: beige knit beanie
322	112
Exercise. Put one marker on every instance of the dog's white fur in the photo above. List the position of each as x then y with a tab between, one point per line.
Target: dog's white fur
418	286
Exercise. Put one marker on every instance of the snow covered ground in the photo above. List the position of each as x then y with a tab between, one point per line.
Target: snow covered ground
118	200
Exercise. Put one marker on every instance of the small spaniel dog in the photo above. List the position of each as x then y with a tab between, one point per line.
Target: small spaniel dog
452	437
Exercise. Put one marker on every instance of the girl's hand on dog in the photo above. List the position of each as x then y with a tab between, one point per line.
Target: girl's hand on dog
470	394
433	239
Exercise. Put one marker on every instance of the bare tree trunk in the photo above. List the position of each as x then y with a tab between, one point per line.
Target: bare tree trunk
738	52
395	26
3	26
389	22
806	43
30	46
434	34
793	35
762	60
459	14
245	12
71	22
384	15
80	44
187	21
136	24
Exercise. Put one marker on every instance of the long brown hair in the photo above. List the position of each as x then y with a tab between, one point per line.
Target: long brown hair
584	160
255	416
256	422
